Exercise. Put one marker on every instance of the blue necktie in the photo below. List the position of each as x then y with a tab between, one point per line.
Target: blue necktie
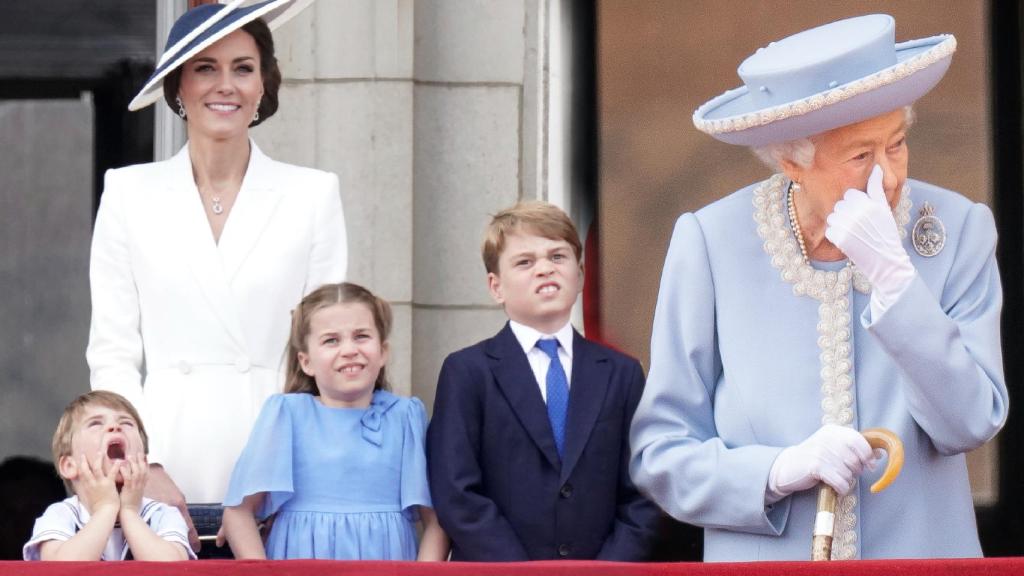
558	392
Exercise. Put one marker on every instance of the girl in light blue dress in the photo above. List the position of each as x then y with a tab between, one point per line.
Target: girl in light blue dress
337	460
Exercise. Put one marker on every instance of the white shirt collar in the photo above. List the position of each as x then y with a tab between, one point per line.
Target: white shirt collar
83	516
528	337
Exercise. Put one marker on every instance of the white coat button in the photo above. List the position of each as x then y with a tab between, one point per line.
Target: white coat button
242	364
184	367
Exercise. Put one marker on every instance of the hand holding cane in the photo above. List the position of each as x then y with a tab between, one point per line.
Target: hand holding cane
824	523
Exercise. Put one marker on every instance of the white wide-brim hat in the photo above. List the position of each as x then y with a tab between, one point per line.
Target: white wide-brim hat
205	24
824	78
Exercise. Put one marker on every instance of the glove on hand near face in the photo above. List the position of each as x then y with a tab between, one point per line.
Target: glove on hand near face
863	227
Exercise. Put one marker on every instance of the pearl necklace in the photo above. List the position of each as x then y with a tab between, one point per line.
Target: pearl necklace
794	224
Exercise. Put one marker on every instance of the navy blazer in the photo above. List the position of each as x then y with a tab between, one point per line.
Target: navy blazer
499	488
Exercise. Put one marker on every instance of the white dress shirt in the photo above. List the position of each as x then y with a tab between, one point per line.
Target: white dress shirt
539	361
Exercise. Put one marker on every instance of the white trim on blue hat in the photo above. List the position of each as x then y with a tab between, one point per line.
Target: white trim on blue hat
824	78
204	25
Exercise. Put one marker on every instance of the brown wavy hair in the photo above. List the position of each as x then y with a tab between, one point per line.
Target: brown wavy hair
324	297
269	71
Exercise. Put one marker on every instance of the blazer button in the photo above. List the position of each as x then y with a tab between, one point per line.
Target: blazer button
242	364
184	367
564	550
566	490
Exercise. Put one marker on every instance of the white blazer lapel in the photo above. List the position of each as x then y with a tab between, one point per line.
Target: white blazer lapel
257	200
186	215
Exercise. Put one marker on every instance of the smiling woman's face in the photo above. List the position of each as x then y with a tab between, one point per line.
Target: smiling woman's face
844	157
221	87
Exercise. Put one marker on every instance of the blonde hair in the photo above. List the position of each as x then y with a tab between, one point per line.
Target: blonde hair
535	217
72	416
324	297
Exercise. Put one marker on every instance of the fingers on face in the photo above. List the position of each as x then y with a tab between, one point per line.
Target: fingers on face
92	470
875	188
142	467
85	468
96	466
128	469
135	469
851	196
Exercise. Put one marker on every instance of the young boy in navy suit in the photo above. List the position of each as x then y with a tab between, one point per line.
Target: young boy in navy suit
528	447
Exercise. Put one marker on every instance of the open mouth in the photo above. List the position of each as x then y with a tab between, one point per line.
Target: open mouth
115	450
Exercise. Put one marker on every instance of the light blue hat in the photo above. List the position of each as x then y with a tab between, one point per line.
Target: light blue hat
824	78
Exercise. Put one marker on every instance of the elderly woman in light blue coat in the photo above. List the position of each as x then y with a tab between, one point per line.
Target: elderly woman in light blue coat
837	295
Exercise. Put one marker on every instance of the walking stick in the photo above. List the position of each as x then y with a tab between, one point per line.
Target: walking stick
824	522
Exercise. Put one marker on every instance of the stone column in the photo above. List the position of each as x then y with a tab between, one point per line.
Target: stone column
478	128
432	114
346	107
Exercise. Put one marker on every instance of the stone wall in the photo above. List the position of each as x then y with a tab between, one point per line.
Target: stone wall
45	230
431	113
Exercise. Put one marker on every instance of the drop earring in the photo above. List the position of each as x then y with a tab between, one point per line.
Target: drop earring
256	116
181	107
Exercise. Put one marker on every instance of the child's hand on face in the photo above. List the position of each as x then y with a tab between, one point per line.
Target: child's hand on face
134	472
95	488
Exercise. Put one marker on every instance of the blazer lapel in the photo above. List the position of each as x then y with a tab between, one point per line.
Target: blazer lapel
191	230
512	371
591	371
257	200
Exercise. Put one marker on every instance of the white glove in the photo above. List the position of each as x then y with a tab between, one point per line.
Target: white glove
862	226
835	455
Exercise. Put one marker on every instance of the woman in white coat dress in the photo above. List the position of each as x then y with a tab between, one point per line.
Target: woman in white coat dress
197	261
835	296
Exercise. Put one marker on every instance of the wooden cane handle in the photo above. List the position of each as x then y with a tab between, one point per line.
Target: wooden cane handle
886	440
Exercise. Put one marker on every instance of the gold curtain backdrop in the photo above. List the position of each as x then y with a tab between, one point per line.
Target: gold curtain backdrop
660	59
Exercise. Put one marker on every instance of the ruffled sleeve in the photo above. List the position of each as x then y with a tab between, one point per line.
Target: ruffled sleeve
415	490
265	464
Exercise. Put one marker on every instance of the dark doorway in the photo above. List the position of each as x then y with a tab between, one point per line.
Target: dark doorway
62	49
1002	526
